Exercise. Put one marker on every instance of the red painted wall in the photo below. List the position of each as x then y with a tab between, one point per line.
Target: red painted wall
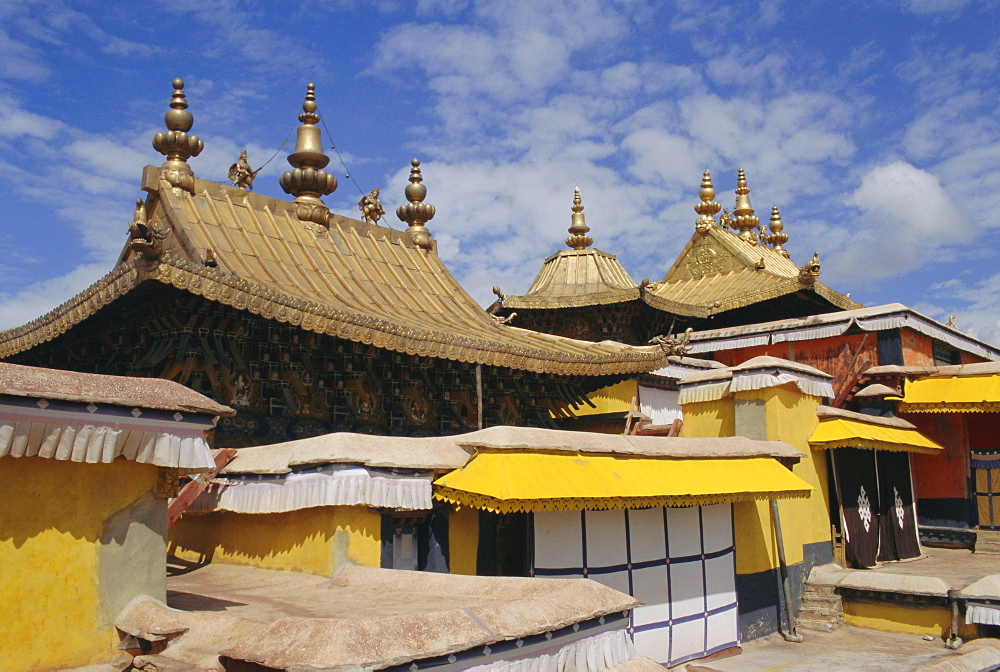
832	355
943	475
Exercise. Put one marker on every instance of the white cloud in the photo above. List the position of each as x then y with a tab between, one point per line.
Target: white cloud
907	218
976	305
24	305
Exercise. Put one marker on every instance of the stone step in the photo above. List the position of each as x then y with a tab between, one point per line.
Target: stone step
817	626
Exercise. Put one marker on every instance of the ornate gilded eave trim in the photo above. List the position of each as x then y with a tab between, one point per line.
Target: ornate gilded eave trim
836	298
748	299
572	301
123	278
234	291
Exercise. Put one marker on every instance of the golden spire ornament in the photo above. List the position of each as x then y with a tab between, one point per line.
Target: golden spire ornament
308	181
743	219
416	213
776	238
176	144
578	239
708	208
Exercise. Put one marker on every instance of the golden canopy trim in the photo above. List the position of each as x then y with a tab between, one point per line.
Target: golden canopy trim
951	394
531	480
842	432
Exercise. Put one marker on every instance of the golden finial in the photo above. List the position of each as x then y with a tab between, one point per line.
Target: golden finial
308	181
708	208
416	213
743	219
176	144
776	237
578	239
951	322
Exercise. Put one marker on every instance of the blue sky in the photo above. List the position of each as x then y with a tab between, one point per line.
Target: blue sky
874	126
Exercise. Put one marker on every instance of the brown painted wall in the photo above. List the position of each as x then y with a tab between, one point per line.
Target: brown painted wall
941	476
832	355
917	348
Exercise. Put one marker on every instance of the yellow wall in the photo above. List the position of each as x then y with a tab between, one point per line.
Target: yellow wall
917	619
615	398
790	417
51	518
463	540
709	418
318	540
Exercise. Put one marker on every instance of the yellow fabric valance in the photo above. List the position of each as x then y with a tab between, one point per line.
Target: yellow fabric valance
846	433
507	481
952	394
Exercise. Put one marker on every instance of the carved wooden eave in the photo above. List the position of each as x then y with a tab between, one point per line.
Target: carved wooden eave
717	271
352	280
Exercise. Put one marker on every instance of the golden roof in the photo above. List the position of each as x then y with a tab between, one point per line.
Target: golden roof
296	262
717	270
353	280
579	276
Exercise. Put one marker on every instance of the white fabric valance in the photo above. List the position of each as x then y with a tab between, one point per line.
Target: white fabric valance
594	654
328	485
981	613
758	380
729	343
103	444
695	393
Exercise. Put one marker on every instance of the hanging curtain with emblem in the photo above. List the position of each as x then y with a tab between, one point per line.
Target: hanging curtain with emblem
859	500
897	526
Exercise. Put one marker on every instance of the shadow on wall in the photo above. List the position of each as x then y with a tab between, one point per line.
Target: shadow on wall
302	540
41	495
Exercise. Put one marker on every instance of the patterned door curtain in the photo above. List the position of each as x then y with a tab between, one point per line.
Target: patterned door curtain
987	470
877	505
679	561
898	528
860	503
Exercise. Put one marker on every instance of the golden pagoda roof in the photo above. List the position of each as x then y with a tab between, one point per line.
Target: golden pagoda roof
297	262
353	280
579	276
572	278
716	271
719	271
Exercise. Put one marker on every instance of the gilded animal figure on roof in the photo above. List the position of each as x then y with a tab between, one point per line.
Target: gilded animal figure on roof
371	207
241	173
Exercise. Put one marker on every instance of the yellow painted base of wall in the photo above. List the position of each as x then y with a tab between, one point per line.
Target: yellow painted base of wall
51	517
934	621
318	540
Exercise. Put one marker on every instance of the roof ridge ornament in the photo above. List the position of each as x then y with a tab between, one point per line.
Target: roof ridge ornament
809	274
416	213
176	144
708	208
308	181
776	238
743	218
578	239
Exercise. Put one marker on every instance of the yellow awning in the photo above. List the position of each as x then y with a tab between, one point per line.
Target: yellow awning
508	481
836	432
950	394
